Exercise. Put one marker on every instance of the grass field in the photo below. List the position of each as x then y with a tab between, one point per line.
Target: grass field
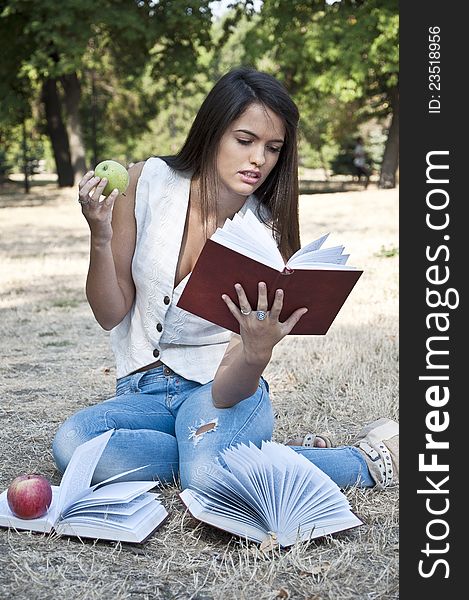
55	359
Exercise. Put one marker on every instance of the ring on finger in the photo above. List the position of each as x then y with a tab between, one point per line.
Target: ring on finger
246	311
83	200
261	315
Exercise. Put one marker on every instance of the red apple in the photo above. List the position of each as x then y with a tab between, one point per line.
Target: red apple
29	496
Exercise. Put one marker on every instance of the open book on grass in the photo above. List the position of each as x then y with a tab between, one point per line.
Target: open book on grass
243	251
110	510
271	495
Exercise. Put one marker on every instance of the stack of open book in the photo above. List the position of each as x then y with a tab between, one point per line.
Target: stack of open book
271	495
122	511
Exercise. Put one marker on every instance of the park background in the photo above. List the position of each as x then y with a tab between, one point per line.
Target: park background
82	81
85	81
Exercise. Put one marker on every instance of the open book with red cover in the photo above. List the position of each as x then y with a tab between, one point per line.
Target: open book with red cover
243	251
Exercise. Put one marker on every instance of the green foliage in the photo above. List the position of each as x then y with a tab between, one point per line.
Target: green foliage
112	46
15	85
59	33
12	155
145	66
5	165
387	252
338	61
168	129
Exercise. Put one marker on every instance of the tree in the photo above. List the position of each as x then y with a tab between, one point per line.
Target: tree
339	61
58	43
15	90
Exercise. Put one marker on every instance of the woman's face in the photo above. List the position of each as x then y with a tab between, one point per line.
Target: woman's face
248	151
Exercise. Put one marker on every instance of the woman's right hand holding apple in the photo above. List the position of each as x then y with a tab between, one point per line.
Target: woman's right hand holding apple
97	212
110	288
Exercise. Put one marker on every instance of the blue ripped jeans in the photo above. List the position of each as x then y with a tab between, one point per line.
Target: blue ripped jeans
170	424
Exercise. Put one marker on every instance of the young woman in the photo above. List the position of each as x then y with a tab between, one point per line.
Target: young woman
187	389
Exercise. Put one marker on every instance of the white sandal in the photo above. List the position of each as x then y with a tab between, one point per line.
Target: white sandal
379	441
309	441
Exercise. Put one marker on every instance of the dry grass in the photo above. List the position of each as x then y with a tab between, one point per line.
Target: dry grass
55	359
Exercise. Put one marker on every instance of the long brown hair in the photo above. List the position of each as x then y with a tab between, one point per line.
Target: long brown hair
226	102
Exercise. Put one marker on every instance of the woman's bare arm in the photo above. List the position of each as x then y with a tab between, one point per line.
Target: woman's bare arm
109	286
249	353
237	376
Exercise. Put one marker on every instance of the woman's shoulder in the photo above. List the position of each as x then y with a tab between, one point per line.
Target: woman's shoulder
135	169
147	165
145	169
156	165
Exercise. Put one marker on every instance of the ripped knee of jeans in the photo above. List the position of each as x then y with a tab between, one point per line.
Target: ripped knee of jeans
197	432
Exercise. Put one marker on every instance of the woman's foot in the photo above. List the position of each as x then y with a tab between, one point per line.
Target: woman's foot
379	442
311	440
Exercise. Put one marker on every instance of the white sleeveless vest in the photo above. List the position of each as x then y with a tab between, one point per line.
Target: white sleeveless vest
155	328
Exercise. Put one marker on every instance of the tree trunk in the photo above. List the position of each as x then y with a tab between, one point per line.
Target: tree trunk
24	147
71	87
387	177
324	164
94	119
57	133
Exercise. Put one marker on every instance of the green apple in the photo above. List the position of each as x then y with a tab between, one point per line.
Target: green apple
116	175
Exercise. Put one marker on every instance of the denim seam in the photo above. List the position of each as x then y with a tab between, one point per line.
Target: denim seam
152	379
254	413
114	411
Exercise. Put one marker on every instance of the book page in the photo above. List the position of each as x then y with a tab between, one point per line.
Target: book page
249	237
113	493
112	521
135	528
298	477
292	497
308	505
284	491
295	482
311	531
118	476
245	469
230	493
237	487
234	524
314	496
125	508
263	477
122	517
228	504
79	472
246	235
311	247
333	256
324	254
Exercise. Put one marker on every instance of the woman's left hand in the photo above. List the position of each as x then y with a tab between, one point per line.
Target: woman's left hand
261	329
